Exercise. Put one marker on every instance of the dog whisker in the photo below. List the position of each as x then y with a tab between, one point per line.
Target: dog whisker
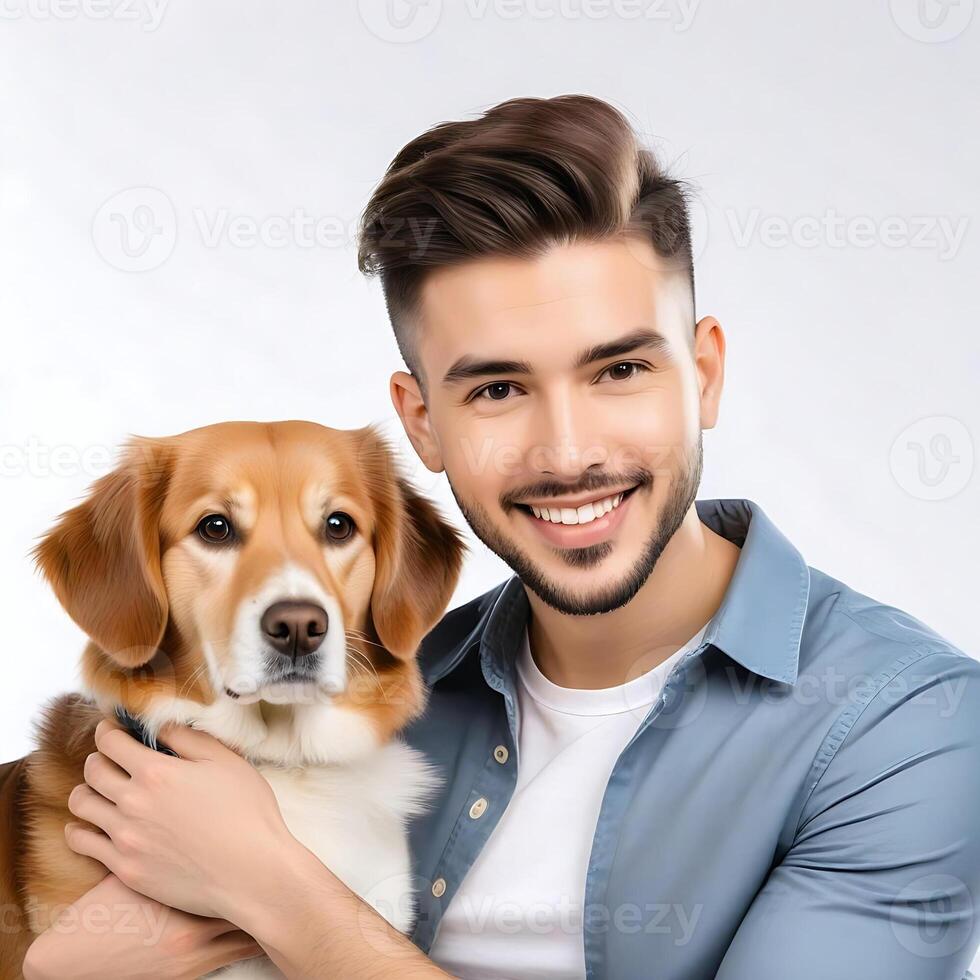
362	638
362	667
191	680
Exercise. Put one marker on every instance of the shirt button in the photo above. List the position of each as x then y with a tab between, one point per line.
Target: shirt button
500	753
439	887
478	808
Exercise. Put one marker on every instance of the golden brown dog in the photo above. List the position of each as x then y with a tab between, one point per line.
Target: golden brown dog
268	583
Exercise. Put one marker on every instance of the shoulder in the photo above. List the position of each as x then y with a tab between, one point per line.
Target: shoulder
459	628
903	698
869	642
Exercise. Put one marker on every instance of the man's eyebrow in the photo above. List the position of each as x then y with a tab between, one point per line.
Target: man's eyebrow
642	339
466	368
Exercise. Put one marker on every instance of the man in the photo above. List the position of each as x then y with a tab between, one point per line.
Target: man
672	748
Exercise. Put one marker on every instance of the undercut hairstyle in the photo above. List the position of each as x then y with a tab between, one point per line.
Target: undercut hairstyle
526	176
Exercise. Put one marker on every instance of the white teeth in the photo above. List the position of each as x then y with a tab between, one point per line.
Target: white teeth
581	515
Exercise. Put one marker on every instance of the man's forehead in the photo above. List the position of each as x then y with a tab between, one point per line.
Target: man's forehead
561	274
491	310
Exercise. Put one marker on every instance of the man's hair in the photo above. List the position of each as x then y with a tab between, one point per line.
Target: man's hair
525	176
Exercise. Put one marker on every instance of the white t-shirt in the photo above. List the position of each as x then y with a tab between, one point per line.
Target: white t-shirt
518	912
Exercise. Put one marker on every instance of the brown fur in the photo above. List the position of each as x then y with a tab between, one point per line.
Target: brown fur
14	933
120	564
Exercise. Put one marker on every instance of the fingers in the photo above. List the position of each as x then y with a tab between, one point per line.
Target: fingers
91	843
105	776
85	803
228	948
131	755
191	743
117	744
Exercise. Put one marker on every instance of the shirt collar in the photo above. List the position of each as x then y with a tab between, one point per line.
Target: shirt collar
759	623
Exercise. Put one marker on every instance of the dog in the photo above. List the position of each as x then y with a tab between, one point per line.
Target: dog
268	583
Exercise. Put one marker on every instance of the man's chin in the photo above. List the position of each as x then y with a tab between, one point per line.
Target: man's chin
587	589
572	601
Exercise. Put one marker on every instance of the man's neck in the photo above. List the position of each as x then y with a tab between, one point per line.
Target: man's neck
681	595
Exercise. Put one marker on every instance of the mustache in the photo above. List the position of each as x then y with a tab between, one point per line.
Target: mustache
587	483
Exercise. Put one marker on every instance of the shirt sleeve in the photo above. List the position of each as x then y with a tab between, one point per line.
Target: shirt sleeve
882	880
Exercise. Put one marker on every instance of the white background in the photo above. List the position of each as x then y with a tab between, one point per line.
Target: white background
836	153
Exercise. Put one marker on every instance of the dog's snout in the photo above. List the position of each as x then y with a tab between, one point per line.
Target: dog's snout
295	628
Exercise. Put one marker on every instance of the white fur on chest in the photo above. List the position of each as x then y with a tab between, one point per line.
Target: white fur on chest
353	818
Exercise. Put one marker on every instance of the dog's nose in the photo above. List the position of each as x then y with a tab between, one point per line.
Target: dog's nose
294	628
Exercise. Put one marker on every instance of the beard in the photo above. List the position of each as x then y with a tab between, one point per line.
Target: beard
609	595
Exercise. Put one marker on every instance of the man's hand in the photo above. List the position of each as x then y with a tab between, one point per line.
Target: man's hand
114	932
204	833
188	832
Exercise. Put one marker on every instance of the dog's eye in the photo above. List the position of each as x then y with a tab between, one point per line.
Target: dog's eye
215	529
339	526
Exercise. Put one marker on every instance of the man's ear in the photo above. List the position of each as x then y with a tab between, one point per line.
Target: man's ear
418	554
709	360
102	558
406	396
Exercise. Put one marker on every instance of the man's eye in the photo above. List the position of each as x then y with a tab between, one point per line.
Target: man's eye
632	369
496	392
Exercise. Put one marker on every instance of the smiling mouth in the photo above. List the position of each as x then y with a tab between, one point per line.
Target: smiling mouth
585	514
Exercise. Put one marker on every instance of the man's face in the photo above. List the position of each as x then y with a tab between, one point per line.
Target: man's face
565	384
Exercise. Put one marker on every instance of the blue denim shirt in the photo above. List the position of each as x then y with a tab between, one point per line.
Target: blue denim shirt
802	803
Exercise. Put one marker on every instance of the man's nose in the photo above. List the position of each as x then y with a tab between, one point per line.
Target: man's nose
565	442
294	628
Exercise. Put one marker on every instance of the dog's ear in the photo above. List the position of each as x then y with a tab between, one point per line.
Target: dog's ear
418	554
102	558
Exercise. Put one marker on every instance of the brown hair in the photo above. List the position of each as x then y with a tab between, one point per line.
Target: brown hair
527	175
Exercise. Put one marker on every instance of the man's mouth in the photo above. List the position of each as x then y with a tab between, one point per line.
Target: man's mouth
580	527
593	510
